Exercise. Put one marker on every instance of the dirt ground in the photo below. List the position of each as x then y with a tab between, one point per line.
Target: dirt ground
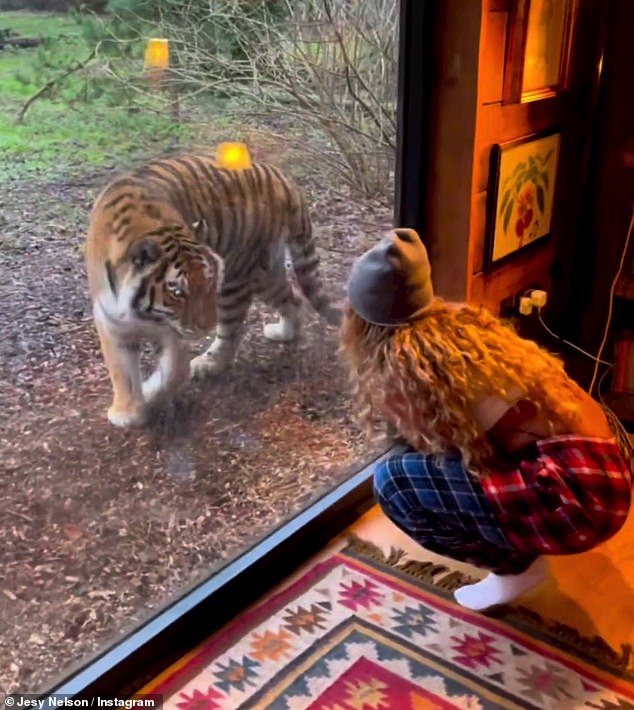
100	526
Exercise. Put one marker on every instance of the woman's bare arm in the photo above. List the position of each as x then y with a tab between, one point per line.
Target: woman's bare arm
523	424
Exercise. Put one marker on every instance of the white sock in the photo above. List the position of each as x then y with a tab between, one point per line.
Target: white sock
501	589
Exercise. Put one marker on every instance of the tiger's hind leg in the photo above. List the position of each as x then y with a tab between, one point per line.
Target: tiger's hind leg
279	294
234	301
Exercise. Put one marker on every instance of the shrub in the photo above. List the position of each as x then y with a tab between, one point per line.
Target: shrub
329	64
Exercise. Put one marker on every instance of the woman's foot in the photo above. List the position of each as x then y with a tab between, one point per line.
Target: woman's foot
501	588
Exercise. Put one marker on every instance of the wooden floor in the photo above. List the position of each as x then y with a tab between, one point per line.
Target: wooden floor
592	592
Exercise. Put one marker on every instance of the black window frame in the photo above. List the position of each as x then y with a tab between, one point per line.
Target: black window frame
132	661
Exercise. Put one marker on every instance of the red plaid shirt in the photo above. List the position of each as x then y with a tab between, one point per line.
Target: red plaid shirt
572	495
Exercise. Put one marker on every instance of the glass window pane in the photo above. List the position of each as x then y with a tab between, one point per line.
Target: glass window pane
544	42
105	521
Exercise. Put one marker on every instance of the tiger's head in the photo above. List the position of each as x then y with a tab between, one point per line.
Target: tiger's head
166	278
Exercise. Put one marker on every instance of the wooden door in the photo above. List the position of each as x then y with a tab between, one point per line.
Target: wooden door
538	69
480	101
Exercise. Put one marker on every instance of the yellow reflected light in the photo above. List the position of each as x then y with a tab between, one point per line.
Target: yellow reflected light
157	54
233	156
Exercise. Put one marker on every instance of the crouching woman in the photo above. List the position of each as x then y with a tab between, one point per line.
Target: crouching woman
510	459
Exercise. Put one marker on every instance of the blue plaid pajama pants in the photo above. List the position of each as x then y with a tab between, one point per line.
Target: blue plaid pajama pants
435	501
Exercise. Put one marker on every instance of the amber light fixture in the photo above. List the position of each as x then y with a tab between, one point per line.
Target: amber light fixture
157	54
233	156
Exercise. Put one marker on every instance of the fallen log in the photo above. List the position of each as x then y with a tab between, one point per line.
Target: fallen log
20	42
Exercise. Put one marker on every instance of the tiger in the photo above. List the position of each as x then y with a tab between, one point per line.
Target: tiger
179	246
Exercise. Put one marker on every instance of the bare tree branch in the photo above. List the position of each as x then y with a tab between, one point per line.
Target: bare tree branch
327	65
52	82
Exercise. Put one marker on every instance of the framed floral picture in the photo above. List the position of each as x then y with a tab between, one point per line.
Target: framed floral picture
521	193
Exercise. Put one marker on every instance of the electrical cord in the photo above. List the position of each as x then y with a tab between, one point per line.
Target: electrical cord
609	365
599	385
597	358
608	321
567	342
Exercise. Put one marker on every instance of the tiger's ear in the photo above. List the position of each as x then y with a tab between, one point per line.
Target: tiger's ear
144	252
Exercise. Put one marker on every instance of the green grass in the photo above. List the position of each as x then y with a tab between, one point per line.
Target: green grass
54	139
39	24
76	126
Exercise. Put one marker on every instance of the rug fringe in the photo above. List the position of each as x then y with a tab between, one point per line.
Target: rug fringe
374	552
436	574
594	646
441	577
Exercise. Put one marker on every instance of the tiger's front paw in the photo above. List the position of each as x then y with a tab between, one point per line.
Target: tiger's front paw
127	417
205	365
153	388
284	331
160	385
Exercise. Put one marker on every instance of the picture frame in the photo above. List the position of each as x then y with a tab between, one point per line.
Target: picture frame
521	194
538	49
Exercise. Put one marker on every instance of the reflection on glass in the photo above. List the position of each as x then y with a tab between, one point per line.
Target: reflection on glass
544	42
101	524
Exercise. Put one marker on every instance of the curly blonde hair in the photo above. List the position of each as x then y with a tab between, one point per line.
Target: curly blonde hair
425	377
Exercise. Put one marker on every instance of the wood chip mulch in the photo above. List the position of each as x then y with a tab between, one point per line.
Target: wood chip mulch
101	526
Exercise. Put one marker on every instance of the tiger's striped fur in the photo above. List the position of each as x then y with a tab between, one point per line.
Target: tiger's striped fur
180	245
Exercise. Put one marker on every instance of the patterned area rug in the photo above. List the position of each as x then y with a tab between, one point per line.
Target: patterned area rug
361	632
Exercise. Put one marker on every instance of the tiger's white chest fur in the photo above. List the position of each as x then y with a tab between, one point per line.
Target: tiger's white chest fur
116	315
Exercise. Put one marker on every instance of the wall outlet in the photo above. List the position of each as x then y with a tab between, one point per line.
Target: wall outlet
510	306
